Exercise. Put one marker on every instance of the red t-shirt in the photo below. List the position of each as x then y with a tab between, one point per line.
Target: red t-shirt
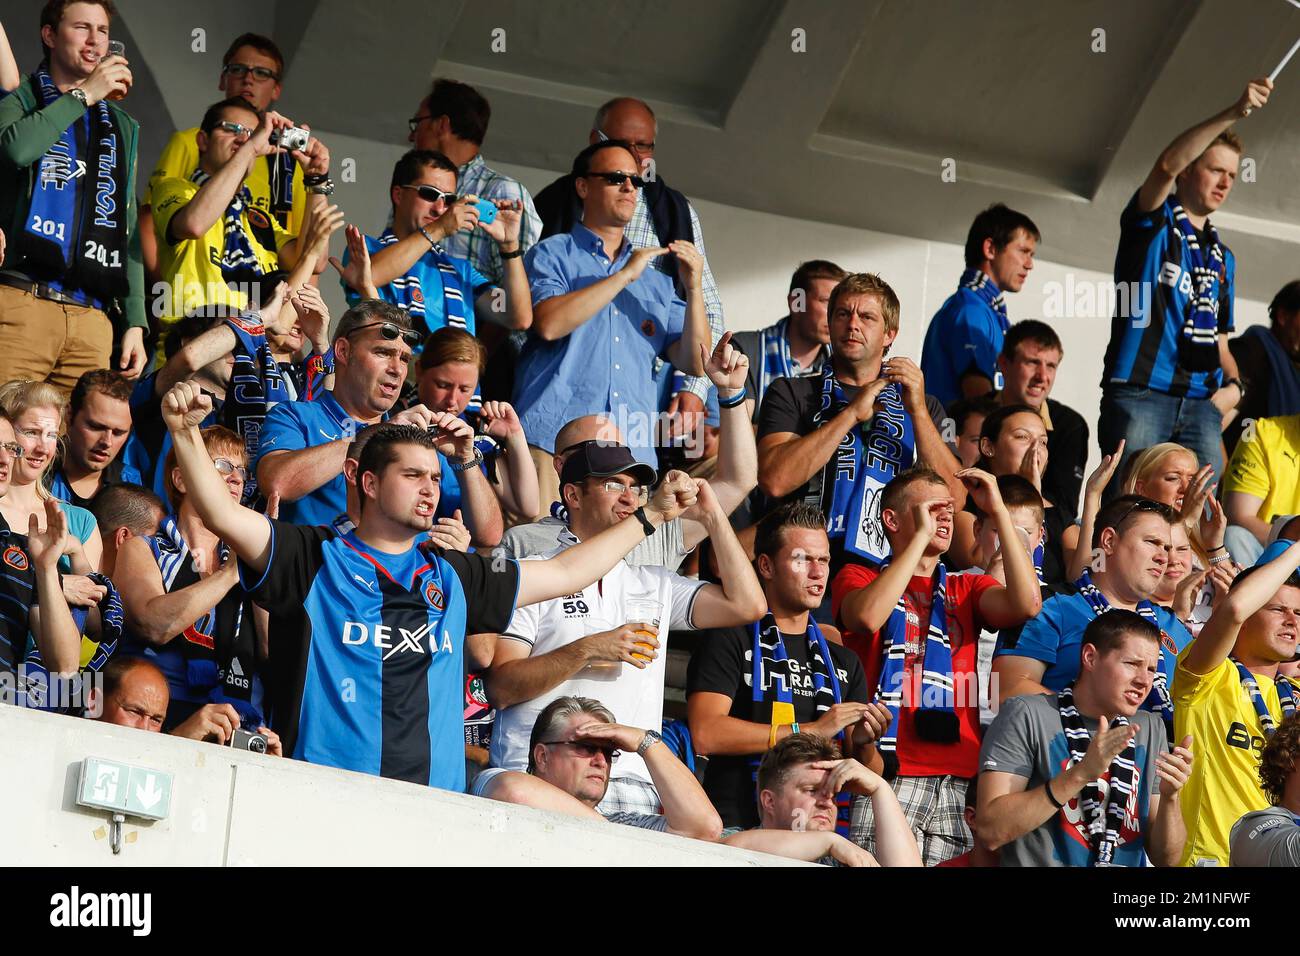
917	757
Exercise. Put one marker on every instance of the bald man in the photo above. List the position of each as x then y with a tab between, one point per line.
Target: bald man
662	215
134	694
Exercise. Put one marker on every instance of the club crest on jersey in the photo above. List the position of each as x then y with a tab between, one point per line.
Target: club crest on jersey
433	594
1167	643
16	558
256	218
648	327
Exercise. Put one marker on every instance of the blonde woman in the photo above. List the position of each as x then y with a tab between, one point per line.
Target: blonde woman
36	410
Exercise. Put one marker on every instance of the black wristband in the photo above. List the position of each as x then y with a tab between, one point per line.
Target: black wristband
645	522
316	180
513	255
734	400
1051	796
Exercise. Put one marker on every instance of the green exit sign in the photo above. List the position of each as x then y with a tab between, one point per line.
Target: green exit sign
135	791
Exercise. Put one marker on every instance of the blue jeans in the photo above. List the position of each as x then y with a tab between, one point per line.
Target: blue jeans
1144	418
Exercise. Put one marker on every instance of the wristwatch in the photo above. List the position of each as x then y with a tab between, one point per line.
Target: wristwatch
1235	381
80	94
649	740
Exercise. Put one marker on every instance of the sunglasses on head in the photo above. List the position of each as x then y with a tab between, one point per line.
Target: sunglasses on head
433	194
389	331
239	71
618	179
1145	506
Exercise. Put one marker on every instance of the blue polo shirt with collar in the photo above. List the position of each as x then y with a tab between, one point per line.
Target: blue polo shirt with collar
606	364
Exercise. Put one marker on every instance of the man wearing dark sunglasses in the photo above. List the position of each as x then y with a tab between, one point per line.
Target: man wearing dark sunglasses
601	318
251	68
662	216
215	244
303	444
575	746
414	271
1131	547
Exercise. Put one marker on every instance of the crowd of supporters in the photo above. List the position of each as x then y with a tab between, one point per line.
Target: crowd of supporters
449	536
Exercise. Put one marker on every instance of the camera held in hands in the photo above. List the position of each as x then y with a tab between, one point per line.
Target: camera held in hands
247	740
290	138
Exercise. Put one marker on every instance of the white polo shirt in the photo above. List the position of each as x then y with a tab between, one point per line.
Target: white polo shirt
634	696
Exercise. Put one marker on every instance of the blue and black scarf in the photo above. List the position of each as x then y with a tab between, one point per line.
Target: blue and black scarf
1198	342
410	296
867	458
977	281
75	234
239	263
1103	817
257	384
1285	697
935	713
772	686
63	694
1158	701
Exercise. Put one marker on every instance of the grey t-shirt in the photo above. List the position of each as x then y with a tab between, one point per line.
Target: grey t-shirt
1265	838
665	548
1027	739
645	821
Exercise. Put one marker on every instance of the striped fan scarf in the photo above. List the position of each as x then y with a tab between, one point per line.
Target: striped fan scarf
238	261
44	692
771	681
984	287
410	296
1159	701
1285	696
935	713
1198	346
1104	822
774	346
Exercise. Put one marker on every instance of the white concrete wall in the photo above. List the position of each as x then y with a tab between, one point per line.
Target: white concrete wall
233	808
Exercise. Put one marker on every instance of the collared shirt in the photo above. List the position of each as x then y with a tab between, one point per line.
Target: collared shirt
640	233
477	178
293	426
605	364
634	696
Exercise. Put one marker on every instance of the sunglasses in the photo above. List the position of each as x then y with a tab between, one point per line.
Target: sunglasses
226	468
234	128
585	750
433	194
239	71
1146	506
389	331
618	179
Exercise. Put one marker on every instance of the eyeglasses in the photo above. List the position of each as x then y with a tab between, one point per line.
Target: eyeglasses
584	749
234	128
14	449
639	147
433	194
226	468
618	179
415	121
240	70
389	331
640	492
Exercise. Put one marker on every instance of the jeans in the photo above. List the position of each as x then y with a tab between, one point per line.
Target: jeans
1144	418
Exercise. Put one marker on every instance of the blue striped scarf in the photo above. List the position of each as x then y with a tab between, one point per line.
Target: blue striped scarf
935	714
1285	697
1158	701
409	294
867	458
238	261
1104	819
978	282
1198	344
45	692
776	361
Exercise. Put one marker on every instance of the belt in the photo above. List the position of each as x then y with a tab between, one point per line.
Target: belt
40	290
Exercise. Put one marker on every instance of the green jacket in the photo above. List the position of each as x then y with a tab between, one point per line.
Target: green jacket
26	133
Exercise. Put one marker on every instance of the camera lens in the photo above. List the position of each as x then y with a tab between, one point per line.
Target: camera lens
257	744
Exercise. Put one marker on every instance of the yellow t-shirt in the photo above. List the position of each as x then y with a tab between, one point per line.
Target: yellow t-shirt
1268	466
180	157
192	267
1226	740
